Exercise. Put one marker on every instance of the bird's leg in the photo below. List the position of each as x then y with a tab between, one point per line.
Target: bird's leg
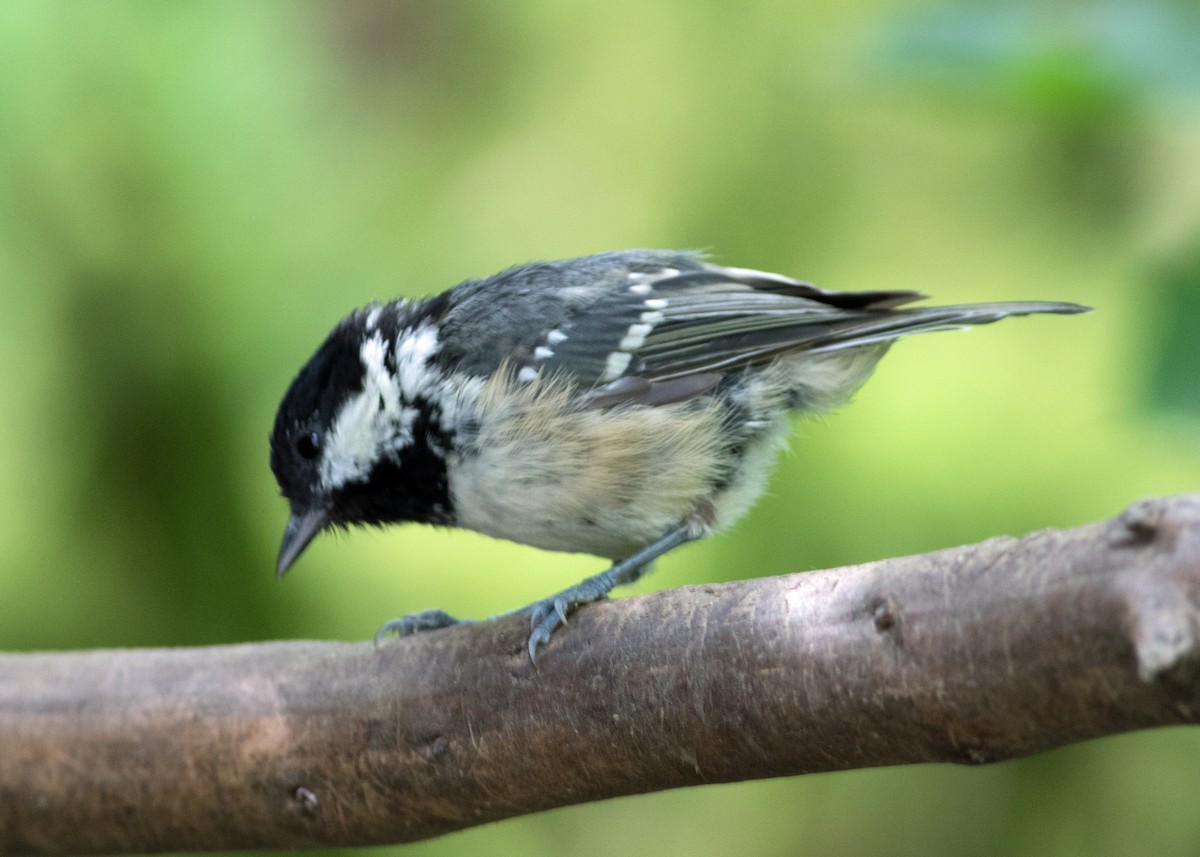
547	615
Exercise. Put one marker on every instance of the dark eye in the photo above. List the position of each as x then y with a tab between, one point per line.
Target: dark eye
309	445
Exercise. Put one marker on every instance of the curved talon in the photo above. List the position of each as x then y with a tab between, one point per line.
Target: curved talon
545	617
556	606
414	623
541	633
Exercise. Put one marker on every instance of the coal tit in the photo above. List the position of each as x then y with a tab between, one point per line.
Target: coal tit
619	404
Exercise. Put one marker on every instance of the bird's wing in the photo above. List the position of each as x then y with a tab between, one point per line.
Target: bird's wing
657	326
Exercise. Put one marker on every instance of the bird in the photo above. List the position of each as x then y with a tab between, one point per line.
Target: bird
619	404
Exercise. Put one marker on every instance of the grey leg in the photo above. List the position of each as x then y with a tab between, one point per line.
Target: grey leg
547	615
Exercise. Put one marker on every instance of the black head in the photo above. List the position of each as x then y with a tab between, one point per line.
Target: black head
352	446
302	428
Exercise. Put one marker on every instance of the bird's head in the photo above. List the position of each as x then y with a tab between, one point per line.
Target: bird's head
344	446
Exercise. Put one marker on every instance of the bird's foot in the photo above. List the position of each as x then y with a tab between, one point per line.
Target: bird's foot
550	614
415	623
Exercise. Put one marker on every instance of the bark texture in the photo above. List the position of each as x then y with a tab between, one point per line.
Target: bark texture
971	655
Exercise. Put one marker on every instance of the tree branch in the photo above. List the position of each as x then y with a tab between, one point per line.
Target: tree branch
972	654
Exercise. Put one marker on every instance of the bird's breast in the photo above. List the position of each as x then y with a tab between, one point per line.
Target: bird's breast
545	470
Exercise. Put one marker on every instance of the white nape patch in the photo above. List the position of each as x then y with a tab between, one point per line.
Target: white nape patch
373	317
527	374
542	353
376	377
617	362
368	423
633	340
555	336
413	350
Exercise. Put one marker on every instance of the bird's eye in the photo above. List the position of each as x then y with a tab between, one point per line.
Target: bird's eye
309	445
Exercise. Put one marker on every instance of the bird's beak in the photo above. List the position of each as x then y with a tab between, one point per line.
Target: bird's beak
302	528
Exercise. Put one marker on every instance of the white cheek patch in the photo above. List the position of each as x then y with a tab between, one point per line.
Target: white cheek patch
350	447
368	423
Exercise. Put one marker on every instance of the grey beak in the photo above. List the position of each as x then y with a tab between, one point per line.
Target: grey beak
301	529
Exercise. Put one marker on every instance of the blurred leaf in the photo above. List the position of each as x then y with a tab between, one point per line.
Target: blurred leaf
1083	75
1173	343
1069	62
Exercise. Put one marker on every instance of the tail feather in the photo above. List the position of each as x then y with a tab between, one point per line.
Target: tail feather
902	322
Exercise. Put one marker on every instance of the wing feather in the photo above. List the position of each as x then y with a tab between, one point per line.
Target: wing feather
656	326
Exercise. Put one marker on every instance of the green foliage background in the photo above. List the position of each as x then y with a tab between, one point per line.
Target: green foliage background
192	193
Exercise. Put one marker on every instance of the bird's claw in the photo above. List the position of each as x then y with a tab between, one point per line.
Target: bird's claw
545	617
557	606
415	623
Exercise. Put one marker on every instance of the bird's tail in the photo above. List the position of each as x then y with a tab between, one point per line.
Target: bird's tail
895	323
